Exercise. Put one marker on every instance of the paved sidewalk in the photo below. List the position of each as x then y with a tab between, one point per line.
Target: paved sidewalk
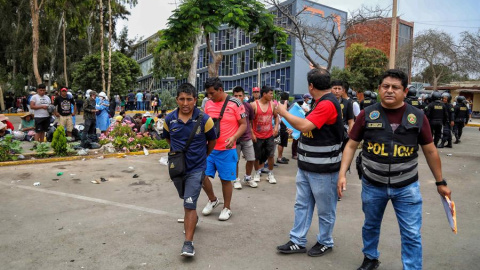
131	223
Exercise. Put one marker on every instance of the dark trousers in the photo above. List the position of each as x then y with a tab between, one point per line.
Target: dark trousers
90	128
436	132
294	148
458	130
131	106
447	135
147	105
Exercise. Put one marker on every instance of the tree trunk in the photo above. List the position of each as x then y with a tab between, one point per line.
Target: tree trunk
2	102
54	51
192	75
217	59
102	55
90	33
109	82
65	75
35	13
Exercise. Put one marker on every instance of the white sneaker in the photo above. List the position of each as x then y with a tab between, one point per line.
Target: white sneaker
250	182
237	184
271	179
210	206
225	214
256	177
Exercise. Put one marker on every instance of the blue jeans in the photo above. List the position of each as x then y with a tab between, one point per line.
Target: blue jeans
315	189
407	203
140	105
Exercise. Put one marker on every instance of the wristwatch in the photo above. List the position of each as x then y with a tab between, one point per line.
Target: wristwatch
441	183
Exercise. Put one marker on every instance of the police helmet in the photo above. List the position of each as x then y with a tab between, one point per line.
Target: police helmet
373	95
436	95
460	99
349	93
412	92
353	94
448	96
367	94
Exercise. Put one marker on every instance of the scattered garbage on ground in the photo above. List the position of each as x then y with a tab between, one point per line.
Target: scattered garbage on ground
59	173
36	184
82	152
163	160
135	176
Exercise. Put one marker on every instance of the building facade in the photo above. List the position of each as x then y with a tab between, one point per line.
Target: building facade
377	34
239	66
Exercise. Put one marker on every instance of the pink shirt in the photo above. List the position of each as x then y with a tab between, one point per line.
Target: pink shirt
229	124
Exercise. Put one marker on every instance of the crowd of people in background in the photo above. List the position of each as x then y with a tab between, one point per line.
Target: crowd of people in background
214	137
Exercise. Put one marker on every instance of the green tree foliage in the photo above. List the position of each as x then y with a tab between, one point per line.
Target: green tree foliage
369	62
357	80
448	75
87	74
168	100
59	142
436	49
194	16
170	62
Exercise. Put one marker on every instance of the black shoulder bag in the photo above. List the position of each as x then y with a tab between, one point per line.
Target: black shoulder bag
176	161
216	121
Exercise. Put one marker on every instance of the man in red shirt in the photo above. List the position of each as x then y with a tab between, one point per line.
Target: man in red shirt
319	157
263	133
391	132
223	158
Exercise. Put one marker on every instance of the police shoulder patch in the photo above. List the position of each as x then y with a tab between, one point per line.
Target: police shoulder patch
411	118
374	115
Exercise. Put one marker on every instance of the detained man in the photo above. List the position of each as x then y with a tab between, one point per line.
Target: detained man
177	128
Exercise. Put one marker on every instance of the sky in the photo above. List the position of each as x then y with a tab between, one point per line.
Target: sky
453	17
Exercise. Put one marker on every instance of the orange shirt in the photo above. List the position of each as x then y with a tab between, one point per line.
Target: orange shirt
229	124
263	122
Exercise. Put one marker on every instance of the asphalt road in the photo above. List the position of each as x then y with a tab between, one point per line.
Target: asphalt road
131	223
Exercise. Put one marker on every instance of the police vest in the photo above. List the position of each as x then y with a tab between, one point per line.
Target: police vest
461	113
344	103
390	157
451	111
415	103
319	149
436	112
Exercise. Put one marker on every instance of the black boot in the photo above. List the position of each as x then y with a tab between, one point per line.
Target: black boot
456	141
441	145
449	144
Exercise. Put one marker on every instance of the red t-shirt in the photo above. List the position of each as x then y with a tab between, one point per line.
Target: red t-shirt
229	124
262	124
395	118
323	113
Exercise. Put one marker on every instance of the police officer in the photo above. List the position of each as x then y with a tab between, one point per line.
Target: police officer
447	131
437	115
460	117
368	100
392	132
412	98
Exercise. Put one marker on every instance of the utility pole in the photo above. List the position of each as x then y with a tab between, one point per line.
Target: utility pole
393	37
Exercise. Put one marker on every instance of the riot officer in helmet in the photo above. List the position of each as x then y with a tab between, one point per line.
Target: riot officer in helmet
412	98
460	118
447	128
437	115
368	100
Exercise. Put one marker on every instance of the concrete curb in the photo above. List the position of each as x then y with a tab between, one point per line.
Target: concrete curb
473	125
60	159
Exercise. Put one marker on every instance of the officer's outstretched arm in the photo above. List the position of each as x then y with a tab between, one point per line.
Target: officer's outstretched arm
433	161
347	158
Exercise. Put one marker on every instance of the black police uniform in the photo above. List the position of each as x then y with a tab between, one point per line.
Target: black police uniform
414	102
367	102
460	119
328	138
447	131
437	115
383	147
